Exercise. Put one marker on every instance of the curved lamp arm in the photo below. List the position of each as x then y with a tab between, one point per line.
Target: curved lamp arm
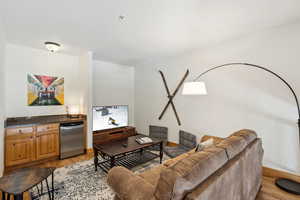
286	184
259	67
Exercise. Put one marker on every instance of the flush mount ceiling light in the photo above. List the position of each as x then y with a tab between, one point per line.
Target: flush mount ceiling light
121	17
52	46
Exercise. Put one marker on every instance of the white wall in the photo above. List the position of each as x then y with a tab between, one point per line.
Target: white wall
86	78
2	89
21	60
237	98
113	84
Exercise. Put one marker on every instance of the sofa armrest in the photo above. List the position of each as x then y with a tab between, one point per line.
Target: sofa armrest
216	139
129	186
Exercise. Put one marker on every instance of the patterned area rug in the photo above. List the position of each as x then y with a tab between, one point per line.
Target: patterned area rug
80	181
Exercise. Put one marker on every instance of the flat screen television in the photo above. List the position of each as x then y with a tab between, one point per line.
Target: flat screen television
107	117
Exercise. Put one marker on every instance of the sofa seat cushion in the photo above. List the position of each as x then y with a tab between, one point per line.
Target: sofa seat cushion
152	175
182	177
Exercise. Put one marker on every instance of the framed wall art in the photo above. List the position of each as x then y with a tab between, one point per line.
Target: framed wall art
45	90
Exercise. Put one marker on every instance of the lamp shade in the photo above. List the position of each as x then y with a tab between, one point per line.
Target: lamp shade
194	88
74	109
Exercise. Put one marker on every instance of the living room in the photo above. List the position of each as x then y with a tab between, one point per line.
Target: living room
135	54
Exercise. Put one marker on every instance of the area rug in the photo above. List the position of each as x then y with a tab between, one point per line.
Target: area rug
80	181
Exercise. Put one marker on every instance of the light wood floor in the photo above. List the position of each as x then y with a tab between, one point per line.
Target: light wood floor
268	192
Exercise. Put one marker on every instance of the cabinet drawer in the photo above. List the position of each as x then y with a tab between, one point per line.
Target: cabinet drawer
47	127
56	132
19	132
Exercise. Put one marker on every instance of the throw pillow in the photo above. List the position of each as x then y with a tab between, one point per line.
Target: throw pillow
204	145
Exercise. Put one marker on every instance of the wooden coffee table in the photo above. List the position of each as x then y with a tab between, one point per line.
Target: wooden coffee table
127	153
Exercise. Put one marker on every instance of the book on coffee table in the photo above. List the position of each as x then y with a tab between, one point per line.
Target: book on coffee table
143	140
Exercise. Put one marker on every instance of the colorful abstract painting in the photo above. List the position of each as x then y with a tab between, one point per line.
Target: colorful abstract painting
45	90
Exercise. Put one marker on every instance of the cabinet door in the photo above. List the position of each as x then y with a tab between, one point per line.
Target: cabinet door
19	151
47	145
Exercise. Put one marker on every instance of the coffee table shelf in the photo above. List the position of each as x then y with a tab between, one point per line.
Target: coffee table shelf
130	160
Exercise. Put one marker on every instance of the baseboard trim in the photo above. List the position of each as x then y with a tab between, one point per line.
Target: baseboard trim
172	144
89	150
274	173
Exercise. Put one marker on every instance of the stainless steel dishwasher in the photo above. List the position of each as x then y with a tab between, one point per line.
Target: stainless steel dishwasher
71	139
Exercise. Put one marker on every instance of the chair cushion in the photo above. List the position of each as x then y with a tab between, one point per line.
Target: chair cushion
185	175
175	151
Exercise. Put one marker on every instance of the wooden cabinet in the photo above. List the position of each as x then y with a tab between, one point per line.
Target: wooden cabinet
34	140
19	151
27	144
47	145
47	141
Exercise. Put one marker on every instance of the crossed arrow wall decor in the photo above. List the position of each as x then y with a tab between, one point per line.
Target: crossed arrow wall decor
171	96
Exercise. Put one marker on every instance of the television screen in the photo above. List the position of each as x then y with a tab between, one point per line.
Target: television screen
106	117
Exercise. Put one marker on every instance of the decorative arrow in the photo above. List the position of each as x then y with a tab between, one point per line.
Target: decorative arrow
171	97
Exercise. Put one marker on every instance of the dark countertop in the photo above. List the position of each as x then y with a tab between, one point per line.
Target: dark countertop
37	120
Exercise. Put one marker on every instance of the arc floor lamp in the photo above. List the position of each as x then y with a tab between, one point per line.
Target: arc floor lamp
198	88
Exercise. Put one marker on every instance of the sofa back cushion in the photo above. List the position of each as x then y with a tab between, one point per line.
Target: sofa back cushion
216	139
233	145
238	179
206	144
237	142
248	135
185	175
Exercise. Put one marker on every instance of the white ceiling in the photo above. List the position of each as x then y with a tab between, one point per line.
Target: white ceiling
151	29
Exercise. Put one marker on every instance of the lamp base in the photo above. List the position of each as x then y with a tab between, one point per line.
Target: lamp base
288	185
73	116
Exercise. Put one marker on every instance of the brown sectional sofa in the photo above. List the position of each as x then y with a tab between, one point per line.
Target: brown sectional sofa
231	169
